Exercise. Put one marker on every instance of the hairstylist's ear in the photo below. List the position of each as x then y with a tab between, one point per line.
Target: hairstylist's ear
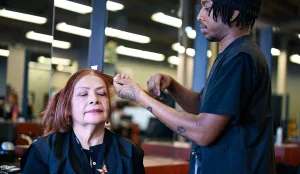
234	15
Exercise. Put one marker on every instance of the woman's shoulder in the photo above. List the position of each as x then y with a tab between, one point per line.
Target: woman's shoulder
128	146
50	139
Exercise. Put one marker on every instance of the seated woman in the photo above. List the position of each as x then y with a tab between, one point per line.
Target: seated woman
75	139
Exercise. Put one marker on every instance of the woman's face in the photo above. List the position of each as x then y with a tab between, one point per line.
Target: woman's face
12	99
90	101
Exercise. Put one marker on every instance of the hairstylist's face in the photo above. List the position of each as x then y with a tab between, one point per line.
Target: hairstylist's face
90	101
213	31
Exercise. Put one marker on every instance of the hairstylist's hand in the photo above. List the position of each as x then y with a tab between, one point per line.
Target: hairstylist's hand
126	88
158	82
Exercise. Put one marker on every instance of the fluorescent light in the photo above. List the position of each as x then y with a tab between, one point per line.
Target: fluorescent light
61	61
39	37
295	58
209	53
64	27
190	32
114	6
4	53
41	66
54	60
84	9
190	52
126	35
60	68
73	6
48	39
173	60
61	44
275	52
22	16
177	47
299	36
140	53
165	19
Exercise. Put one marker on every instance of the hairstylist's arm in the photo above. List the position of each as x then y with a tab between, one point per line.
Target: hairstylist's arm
203	129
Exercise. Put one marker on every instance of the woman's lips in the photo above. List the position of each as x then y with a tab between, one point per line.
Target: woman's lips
95	111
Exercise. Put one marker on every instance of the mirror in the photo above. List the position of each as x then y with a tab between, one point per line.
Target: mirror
26	35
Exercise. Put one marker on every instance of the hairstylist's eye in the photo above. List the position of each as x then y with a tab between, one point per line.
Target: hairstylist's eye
207	9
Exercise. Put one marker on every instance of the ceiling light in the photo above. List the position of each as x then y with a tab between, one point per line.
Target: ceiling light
275	52
177	47
22	16
190	52
165	19
190	32
295	58
61	44
114	6
48	39
299	36
84	9
36	65
208	53
64	27
140	53
173	60
60	68
126	35
73	6
4	53
54	60
73	29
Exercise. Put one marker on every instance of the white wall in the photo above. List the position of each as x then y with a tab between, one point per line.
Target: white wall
141	72
39	83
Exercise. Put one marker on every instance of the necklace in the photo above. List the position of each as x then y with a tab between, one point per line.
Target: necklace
103	170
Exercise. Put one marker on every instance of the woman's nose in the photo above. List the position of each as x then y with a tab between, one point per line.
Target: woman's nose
94	99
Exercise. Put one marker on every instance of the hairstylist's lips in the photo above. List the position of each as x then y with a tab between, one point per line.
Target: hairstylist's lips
203	27
93	111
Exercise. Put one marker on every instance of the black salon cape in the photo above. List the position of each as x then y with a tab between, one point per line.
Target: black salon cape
239	86
60	153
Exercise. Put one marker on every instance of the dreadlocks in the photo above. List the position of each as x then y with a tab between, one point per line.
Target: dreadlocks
248	11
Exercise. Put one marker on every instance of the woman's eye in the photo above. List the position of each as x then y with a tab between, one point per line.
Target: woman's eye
102	94
82	95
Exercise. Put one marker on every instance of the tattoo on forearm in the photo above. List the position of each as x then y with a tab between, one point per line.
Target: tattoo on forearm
149	109
181	129
128	93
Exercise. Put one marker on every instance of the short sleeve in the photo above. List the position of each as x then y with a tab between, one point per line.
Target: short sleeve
230	88
31	161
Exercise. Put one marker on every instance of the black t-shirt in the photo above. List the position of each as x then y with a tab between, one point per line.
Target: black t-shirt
239	87
229	86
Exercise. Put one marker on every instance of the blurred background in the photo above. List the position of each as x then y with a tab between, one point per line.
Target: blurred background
43	42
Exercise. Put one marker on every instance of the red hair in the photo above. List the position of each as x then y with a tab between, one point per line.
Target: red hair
57	116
